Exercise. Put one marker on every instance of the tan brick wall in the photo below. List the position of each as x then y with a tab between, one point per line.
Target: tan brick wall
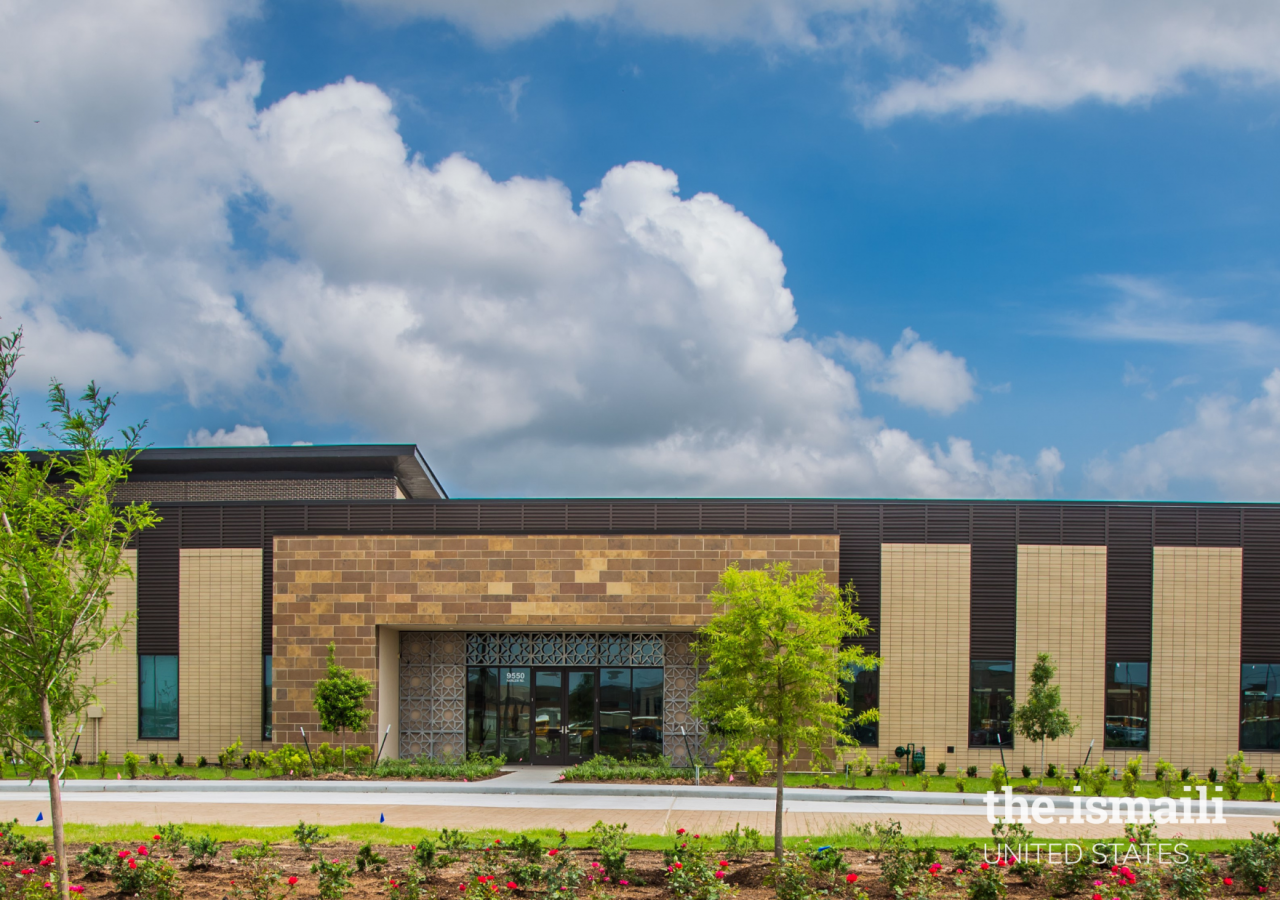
117	730
924	641
1062	610
1195	658
220	664
340	588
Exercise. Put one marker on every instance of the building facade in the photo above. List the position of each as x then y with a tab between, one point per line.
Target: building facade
551	630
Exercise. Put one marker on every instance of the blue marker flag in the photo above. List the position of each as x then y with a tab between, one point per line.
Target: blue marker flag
39	817
381	818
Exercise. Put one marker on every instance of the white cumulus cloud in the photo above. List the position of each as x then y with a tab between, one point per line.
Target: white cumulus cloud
1229	444
240	436
915	372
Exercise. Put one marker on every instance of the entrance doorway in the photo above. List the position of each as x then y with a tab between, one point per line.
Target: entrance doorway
564	715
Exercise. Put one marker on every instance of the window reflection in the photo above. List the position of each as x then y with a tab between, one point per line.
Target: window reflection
990	702
1127	705
1260	707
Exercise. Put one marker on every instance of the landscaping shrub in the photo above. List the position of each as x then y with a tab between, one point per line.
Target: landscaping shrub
333	877
151	758
368	858
171	838
1051	771
689	875
564	874
178	761
454	840
289	760
828	863
1164	776
960	783
924	781
610	842
902	862
472	767
103	759
307	836
96	861
77	758
201	762
131	761
1261	774
1256	861
1192	876
999	778
202	850
19	846
1026	771
405	887
141	874
790	878
741	842
227	757
942	769
985	882
1186	774
1072	877
1131	776
1235	769
1213	774
754	762
972	771
1096	779
886	769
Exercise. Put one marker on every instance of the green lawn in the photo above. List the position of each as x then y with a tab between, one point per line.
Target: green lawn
386	835
1251	790
144	768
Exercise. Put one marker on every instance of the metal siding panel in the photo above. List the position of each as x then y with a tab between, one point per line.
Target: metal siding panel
158	562
904	523
634	516
814	518
241	526
276	520
770	518
588	516
1175	526
335	519
413	518
724	517
201	527
860	562
501	517
1040	524
1129	584
371	517
1084	526
947	524
1260	587
1218	526
458	516
679	517
546	517
993	583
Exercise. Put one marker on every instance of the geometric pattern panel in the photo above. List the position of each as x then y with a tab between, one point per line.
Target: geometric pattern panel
432	694
682	733
485	648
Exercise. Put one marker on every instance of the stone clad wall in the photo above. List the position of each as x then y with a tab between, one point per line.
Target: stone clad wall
340	588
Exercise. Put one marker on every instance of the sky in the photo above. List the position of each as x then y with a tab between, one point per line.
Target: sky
799	248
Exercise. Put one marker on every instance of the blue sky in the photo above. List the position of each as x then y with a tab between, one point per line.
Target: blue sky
457	223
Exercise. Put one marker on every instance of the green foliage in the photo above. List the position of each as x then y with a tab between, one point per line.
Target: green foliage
741	842
524	847
202	851
1013	836
405	887
1213	774
903	863
1072	877
942	769
96	861
985	882
1256	861
149	877
289	760
340	698
19	846
63	540
1051	771
886	768
333	877
924	781
999	778
1235	769
972	771
368	858
131	761
606	768
103	760
790	878
177	760
472	768
307	836
1192	876
172	838
1131	776
777	653
1096	779
564	874
257	760
227	757
610	843
453	840
961	784
754	761
1164	776
424	855
201	762
829	863
689	874
1042	717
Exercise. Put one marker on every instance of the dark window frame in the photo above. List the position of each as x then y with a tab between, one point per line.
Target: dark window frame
267	687
862	692
1126	710
1271	698
998	686
177	697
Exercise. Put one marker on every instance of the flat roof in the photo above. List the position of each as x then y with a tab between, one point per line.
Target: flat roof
402	461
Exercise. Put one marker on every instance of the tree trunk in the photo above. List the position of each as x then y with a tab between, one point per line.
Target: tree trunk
777	808
343	732
55	802
1042	760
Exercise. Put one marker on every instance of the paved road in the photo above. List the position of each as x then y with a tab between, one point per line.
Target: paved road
525	799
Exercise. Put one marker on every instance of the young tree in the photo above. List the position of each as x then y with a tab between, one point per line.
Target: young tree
62	542
339	698
1041	718
777	652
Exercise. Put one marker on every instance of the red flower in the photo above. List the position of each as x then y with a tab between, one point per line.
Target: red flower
1228	882
1001	863
1124	870
851	878
413	846
679	865
1115	869
724	864
511	885
1262	889
462	887
623	881
1097	897
47	861
679	831
123	854
133	864
695	837
142	851
293	879
77	888
552	852
719	873
497	840
984	866
155	837
7	862
27	872
48	884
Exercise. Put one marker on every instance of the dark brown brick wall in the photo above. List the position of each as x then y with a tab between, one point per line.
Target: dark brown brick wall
214	490
338	588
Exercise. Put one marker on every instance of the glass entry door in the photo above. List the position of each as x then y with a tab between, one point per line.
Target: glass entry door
564	709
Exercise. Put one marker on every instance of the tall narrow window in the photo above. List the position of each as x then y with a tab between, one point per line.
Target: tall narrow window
158	697
646	712
1128	705
266	697
1260	707
482	710
862	694
990	702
